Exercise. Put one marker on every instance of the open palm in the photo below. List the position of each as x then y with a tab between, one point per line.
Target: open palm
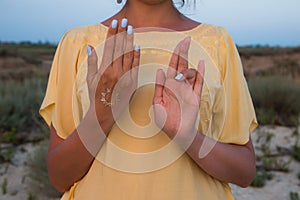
177	97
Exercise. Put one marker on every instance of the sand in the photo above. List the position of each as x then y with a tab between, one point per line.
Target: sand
278	188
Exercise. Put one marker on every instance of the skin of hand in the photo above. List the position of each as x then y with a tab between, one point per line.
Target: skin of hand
77	152
176	104
119	66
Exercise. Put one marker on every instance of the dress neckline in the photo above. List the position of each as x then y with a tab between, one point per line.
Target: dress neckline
162	30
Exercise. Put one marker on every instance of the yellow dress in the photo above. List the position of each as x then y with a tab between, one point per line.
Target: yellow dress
138	162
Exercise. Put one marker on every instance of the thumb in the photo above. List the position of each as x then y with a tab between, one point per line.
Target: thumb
92	61
159	86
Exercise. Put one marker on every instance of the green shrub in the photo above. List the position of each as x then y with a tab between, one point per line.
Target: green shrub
31	196
6	154
4	186
37	172
276	100
294	196
296	152
261	178
20	102
275	164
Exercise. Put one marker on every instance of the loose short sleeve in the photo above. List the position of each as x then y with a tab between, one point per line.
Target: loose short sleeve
67	83
240	118
56	108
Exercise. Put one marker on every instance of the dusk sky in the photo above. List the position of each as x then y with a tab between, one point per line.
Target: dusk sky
252	22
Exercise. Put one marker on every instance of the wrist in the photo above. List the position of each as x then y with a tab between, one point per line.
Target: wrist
184	137
100	117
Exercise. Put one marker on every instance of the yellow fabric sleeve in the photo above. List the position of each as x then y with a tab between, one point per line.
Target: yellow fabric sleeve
240	118
56	108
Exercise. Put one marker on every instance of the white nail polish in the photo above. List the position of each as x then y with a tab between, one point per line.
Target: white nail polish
129	30
179	76
137	48
89	50
124	22
114	23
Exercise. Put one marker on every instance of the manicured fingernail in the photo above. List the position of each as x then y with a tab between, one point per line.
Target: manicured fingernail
89	50
114	23
124	23
179	76
187	41
137	48
129	30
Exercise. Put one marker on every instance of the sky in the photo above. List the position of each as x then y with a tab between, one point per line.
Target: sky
250	22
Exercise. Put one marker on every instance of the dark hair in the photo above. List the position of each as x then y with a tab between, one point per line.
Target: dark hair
184	2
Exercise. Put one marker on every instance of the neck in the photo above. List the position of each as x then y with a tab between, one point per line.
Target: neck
140	14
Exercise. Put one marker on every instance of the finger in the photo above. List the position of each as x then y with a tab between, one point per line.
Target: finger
188	75
128	56
119	45
199	79
135	62
159	86
173	64
109	45
92	62
183	55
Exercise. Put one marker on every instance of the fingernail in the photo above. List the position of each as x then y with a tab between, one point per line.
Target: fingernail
137	48
114	23
89	50
124	23
129	30
179	76
201	63
187	40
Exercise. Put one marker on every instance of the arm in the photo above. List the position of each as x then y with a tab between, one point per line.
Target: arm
70	159
227	162
176	105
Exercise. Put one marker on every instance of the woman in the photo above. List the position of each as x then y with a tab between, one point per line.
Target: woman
104	144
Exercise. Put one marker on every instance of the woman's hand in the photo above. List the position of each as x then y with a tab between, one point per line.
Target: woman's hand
77	152
178	94
176	105
119	67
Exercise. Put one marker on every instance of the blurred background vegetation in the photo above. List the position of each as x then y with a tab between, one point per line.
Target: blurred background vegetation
24	69
273	76
274	83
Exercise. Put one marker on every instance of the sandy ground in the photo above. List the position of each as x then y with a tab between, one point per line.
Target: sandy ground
278	188
283	183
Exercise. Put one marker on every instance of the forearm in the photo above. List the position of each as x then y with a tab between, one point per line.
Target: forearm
71	159
226	162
